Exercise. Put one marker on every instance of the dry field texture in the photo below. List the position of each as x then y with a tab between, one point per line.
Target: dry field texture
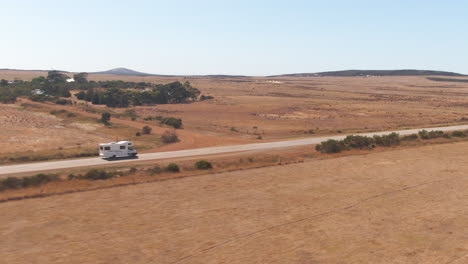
402	206
283	107
26	131
280	107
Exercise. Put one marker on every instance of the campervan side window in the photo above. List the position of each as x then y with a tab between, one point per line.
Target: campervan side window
106	148
122	147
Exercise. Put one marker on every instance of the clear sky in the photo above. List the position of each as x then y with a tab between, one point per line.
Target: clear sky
253	37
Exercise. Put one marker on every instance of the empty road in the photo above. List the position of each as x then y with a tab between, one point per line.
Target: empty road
65	164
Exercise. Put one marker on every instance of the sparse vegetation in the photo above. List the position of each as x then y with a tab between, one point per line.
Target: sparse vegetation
411	137
63	102
172	167
169	137
146	130
168	121
203	165
331	146
24	182
105	118
358	142
206	97
423	134
172	121
458	134
392	139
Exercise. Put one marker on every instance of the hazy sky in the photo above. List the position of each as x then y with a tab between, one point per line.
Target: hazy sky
234	37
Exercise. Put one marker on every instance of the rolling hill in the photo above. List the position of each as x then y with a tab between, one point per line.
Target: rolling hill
354	73
124	71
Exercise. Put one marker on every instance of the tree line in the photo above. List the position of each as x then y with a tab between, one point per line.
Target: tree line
110	93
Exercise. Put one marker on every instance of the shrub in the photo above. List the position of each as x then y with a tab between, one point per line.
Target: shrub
11	183
151	118
423	134
155	170
70	115
331	146
132	170
458	134
146	130
203	165
389	140
172	121
105	118
169	137
96	174
63	102
58	112
233	129
410	137
138	134
206	97
172	167
39	179
358	142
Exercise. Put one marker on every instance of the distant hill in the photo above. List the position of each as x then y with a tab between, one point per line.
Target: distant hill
124	71
353	73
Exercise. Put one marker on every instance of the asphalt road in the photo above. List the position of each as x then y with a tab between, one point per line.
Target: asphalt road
65	164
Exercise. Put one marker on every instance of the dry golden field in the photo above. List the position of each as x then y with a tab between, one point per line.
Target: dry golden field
285	107
401	206
25	131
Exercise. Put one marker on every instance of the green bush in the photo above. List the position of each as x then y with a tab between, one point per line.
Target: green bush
206	97
357	141
172	121
11	183
458	134
63	102
146	130
203	165
424	134
151	118
138	134
360	142
155	170
97	174
39	179
392	139
172	167
410	137
105	118
331	146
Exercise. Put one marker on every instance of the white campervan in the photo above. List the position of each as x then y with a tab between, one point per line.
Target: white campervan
117	150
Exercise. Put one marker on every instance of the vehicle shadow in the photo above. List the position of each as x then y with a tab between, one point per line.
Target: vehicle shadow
121	158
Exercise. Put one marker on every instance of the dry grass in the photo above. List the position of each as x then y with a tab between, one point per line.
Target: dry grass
404	206
292	106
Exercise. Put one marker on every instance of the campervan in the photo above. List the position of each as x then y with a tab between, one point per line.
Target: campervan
117	150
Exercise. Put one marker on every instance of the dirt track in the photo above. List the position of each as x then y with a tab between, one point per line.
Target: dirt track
404	206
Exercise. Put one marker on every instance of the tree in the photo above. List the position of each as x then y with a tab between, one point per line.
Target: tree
147	130
81	77
56	77
3	82
105	117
